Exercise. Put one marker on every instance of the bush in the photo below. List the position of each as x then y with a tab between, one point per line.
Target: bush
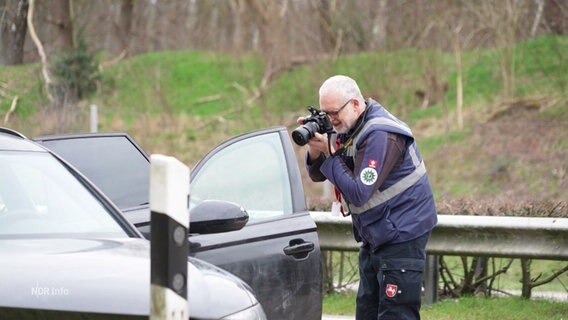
76	75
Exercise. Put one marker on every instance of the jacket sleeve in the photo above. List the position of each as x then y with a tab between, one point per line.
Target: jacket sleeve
313	168
357	186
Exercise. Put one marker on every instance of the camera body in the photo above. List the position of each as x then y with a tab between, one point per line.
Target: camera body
316	121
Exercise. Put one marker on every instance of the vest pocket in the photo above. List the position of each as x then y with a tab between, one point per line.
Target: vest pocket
378	229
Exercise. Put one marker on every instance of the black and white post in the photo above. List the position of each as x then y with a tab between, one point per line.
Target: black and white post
169	202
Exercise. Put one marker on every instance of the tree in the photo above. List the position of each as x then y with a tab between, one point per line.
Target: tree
41	51
13	28
269	19
328	36
62	19
122	25
529	283
555	12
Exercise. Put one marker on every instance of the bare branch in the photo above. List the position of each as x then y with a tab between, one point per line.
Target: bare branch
454	284
494	275
106	64
552	277
210	98
537	17
12	109
41	52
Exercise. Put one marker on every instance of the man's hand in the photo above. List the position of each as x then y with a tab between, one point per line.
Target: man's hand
317	145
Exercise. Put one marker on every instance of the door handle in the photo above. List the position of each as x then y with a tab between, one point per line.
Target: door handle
297	249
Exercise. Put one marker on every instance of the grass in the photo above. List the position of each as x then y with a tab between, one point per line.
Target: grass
205	83
343	303
509	281
23	81
477	308
167	101
182	103
339	303
467	308
190	82
428	144
512	279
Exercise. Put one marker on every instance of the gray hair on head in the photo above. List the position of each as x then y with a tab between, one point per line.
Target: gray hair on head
341	85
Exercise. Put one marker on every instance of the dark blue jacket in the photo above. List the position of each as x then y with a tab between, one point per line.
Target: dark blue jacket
402	208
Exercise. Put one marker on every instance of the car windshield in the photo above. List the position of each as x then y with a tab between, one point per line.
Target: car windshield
41	197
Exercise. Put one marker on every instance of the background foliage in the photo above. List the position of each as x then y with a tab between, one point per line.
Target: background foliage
483	84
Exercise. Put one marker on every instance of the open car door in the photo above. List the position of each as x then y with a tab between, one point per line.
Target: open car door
277	252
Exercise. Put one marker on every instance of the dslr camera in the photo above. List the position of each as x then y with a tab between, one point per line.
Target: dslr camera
316	121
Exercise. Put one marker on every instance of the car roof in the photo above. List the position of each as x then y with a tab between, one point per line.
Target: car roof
14	141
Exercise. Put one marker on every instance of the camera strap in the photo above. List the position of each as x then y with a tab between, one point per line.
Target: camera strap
341	147
358	127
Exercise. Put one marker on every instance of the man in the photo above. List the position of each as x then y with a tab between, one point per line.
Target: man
381	180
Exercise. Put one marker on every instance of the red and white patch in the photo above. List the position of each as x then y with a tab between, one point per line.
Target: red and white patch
372	163
391	290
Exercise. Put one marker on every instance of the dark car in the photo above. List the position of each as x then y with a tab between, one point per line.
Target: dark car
67	252
277	252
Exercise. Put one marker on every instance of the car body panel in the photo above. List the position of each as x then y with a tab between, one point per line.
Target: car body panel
62	269
9	143
87	276
288	284
277	252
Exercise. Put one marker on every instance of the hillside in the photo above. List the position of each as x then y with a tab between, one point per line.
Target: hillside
511	152
518	156
513	162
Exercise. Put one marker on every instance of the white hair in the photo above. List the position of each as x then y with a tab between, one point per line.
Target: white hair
343	86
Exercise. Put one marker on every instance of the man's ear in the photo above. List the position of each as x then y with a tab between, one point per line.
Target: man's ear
360	108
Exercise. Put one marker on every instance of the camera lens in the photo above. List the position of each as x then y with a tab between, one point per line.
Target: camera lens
302	134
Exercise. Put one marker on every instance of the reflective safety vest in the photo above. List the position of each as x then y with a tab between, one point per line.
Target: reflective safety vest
403	207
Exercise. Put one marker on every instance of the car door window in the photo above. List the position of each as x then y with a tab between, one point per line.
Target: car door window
113	163
251	173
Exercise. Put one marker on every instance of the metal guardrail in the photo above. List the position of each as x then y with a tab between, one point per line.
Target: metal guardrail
513	237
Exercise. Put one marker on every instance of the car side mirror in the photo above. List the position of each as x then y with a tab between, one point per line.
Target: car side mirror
215	216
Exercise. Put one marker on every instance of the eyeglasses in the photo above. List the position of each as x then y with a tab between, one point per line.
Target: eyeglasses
336	112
